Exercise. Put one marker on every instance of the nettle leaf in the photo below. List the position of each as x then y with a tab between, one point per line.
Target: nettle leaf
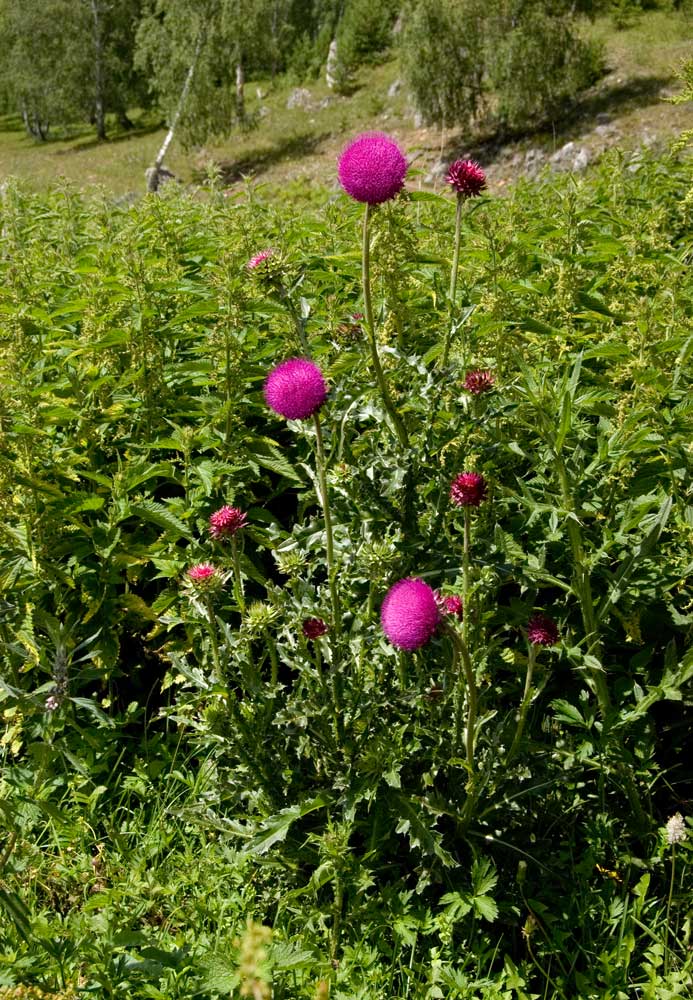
565	712
156	513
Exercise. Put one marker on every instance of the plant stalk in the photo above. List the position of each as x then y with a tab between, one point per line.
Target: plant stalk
329	541
453	280
525	703
394	416
237	578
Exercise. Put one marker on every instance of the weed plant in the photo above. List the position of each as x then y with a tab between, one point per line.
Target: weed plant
229	781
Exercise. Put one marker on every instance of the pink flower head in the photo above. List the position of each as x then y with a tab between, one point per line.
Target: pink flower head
225	522
479	381
468	489
204	576
295	389
467	178
453	606
542	631
259	258
409	614
313	628
372	168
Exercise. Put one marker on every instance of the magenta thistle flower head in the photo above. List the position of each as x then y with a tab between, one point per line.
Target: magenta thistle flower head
468	489
259	258
542	630
313	628
409	614
295	389
467	178
225	522
204	576
479	381
372	168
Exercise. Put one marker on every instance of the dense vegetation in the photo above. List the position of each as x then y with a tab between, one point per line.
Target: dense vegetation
515	64
201	793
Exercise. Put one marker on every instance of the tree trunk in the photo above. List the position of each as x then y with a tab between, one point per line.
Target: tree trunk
240	91
97	41
155	173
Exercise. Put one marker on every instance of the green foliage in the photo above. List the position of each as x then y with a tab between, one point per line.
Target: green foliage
365	31
177	763
520	66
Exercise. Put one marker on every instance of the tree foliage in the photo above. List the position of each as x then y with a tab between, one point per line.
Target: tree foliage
520	62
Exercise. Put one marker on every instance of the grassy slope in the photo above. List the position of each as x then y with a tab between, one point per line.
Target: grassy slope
297	148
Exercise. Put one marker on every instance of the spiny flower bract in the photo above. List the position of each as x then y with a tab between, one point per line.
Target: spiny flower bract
372	168
295	389
409	614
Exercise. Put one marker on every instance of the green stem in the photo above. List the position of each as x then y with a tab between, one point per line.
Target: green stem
298	321
583	588
394	416
237	578
453	281
667	949
324	500
525	703
269	642
460	651
212	623
227	424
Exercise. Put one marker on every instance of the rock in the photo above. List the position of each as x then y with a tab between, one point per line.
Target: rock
437	172
564	153
602	117
516	160
300	97
581	160
263	111
533	156
394	88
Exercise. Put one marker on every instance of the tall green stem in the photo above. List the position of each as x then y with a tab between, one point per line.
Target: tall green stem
237	578
453	280
461	652
329	541
212	622
525	703
667	931
583	588
394	416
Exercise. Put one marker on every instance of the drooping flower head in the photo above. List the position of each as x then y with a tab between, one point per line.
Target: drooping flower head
295	389
372	168
225	522
468	489
467	178
477	382
260	258
409	614
542	630
204	576
313	628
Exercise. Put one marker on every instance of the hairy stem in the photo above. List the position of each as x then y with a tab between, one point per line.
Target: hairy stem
237	578
329	541
453	281
525	703
212	623
394	416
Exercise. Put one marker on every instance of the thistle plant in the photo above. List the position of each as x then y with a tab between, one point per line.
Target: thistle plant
372	170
